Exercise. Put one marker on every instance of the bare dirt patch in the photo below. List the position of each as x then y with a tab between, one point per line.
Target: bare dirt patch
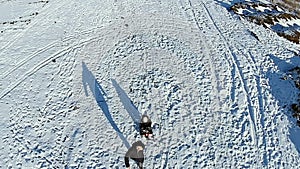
285	23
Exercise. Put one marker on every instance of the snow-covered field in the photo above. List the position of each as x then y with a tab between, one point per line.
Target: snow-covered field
76	77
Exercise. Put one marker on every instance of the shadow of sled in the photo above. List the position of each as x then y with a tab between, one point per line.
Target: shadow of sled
89	79
128	105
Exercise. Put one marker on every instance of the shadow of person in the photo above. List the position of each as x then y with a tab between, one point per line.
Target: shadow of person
89	80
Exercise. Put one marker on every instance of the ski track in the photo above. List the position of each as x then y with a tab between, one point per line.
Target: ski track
210	104
24	61
44	49
241	75
257	98
54	112
41	65
47	10
68	40
254	113
251	87
22	127
253	80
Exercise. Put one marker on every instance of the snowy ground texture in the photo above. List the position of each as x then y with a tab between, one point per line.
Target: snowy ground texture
77	75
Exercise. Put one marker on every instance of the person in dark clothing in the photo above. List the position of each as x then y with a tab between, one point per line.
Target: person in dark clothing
135	152
145	126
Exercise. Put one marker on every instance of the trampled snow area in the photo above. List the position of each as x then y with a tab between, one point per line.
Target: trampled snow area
76	76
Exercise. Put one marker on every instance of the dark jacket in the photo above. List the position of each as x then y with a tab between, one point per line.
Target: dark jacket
145	125
134	154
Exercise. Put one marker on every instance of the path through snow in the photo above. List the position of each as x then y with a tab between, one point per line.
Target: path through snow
75	81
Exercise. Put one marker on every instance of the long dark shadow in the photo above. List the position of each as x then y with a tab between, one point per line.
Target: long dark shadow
128	105
88	79
279	90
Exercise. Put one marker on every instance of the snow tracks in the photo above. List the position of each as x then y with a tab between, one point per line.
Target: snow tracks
247	136
192	69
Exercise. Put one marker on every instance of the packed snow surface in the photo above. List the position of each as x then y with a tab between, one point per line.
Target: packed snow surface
76	76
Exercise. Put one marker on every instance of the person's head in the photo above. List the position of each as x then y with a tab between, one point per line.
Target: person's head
145	119
139	145
139	148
